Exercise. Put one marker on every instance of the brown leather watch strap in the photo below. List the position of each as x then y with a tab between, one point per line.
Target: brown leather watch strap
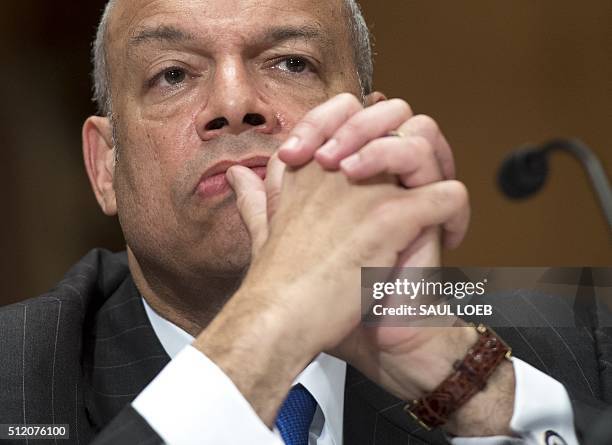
470	376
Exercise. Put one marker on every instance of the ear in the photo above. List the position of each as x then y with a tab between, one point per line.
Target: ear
99	161
374	97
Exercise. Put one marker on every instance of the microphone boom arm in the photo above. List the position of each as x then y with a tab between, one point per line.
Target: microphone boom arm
594	169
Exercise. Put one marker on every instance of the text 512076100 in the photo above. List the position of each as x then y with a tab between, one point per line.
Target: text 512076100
31	432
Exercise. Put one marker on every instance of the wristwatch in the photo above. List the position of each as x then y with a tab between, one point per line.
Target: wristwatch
469	377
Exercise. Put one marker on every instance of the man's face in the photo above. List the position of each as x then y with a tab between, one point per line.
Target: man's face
199	82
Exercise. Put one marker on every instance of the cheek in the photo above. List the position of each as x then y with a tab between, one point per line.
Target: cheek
180	105
169	127
154	153
170	132
289	105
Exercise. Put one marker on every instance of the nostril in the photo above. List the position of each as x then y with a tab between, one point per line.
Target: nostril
254	119
217	124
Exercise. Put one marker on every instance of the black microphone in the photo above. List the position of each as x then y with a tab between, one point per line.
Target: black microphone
525	170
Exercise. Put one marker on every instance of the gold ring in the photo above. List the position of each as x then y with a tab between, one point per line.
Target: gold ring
396	134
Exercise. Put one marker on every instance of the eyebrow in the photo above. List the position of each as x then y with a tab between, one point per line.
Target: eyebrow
162	33
305	32
279	34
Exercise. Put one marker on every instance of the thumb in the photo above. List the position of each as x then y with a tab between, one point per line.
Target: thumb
424	251
251	201
273	183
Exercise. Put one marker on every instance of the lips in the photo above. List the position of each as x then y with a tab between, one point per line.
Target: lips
213	182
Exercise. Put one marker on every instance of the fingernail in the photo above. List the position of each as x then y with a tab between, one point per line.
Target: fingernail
351	163
291	144
329	149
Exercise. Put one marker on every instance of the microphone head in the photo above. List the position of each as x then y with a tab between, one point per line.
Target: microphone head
523	172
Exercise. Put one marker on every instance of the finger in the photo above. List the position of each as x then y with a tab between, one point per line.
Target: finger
273	184
427	128
412	158
316	127
251	201
424	251
443	203
371	123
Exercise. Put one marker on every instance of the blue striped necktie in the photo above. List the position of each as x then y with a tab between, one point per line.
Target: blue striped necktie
295	416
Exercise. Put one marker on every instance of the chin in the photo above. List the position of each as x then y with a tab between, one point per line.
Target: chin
216	244
226	248
234	259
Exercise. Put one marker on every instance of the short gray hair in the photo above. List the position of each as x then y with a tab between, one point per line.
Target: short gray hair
100	74
359	33
362	46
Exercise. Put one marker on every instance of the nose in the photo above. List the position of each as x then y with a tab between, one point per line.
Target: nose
234	104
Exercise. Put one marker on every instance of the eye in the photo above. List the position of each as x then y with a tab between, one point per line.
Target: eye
168	78
174	76
294	64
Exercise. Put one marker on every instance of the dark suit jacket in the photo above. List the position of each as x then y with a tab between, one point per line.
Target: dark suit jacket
79	354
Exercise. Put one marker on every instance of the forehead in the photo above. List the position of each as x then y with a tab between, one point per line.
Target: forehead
227	19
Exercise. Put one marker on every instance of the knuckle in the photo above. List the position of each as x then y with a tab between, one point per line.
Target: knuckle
453	191
403	107
426	122
462	192
353	128
395	155
315	121
353	125
422	146
378	148
349	100
350	105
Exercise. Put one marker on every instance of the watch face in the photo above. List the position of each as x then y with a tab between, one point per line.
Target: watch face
552	438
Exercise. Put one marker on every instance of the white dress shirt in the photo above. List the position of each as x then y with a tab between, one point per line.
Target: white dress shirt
191	401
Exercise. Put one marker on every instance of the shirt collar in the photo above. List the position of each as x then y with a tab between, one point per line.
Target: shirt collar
324	377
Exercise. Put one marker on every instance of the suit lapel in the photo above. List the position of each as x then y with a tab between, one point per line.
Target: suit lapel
121	355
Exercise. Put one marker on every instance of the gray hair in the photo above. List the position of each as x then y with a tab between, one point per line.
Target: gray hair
359	34
100	74
362	46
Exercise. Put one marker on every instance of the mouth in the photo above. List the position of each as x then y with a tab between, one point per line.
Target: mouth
213	182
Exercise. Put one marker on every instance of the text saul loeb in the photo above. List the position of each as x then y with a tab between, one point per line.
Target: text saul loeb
433	310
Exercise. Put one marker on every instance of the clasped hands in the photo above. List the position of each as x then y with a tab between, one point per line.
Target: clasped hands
341	194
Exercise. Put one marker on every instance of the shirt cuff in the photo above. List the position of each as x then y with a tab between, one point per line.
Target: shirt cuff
192	401
542	412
